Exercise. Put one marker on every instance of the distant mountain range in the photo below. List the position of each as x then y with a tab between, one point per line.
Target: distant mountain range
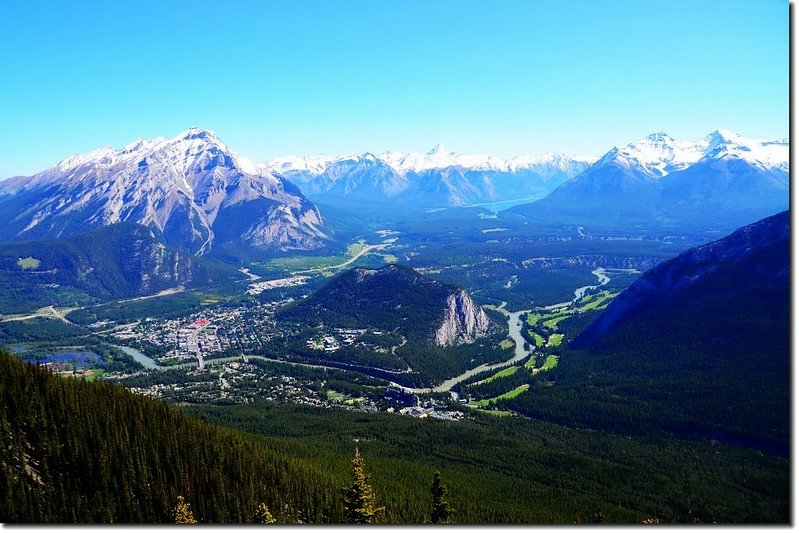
191	188
199	196
724	179
438	178
656	179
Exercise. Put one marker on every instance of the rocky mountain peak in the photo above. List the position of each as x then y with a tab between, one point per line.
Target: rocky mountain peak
439	149
191	187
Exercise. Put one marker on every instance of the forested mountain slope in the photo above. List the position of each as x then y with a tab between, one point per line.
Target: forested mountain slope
395	297
116	261
698	346
73	451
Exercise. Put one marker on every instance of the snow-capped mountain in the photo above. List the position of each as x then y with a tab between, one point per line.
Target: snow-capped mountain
658	154
192	188
438	177
723	177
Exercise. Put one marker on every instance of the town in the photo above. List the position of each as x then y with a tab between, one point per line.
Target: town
217	331
207	357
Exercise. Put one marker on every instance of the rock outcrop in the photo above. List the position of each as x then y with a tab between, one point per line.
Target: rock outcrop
464	321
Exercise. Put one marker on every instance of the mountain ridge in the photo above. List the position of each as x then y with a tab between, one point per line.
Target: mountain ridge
191	187
439	177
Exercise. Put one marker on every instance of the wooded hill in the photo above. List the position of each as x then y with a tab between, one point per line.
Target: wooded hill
397	299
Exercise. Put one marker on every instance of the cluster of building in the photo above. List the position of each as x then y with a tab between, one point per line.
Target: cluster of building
208	334
242	382
432	412
407	403
234	381
332	341
261	286
328	343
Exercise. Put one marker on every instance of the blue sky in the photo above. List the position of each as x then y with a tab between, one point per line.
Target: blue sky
302	77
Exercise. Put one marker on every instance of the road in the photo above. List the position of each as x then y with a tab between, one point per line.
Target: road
166	292
62	312
366	249
44	312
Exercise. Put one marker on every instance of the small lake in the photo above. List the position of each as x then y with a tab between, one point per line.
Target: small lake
137	356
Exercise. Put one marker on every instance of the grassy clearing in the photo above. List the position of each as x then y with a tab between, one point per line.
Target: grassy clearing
302	262
333	395
506	344
595	301
355	248
550	363
555	340
390	258
354	401
539	340
548	320
533	319
28	263
298	263
501	374
530	364
552	323
498	412
95	374
507	396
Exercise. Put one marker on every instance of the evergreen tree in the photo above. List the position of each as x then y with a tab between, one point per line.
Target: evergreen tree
183	514
359	498
440	512
263	516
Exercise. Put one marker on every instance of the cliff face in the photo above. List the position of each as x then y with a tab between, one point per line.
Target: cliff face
464	321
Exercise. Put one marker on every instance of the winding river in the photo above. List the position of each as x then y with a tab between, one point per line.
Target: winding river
515	325
602	279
